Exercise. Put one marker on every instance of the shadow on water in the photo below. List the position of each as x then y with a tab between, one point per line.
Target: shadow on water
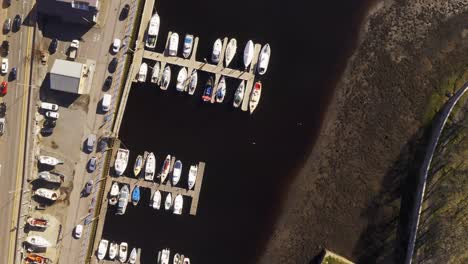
250	159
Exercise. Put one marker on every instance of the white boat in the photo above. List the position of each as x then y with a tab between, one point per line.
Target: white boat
133	256
114	193
155	74
168	201
102	249
142	73
217	46
113	250
51	161
248	53
166	78
177	259
177	172
49	177
178	204
123	251
38	241
156	200
239	95
123	200
181	78
37	222
192	177
173	44
255	96
188	45
150	167
48	194
264	59
121	161
186	261
163	256
153	31
138	165
192	84
221	91
231	50
165	168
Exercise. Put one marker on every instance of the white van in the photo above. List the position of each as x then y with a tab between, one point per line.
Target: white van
106	101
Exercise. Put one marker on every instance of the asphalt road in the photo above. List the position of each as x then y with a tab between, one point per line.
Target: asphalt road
10	143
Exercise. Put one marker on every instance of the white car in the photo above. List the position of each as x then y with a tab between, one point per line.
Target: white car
53	115
78	231
49	106
116	45
4	65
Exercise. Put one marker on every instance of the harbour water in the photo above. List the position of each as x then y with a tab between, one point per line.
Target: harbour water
250	159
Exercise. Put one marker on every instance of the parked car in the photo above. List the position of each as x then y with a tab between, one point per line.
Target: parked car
8	2
4	65
2	126
6	47
3	88
106	102
116	45
47	130
49	106
78	231
102	143
17	22
88	188
50	123
53	115
3	108
90	142
125	11
53	45
7	25
107	83
14	73
92	164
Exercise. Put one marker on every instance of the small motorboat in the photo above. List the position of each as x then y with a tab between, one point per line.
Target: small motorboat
177	259
221	91
123	251
133	256
48	194
163	256
173	44
166	78
255	96
142	73
231	50
264	59
32	258
121	161
38	241
114	193
150	167
113	250
138	165
192	177
153	31
177	172
136	195
208	90
165	168
192	84
102	249
123	200
188	44
239	95
155	74
48	160
186	261
49	177
168	201
181	78
37	222
178	204
217	46
156	204
248	53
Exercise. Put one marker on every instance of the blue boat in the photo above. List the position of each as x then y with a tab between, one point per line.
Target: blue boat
208	90
136	195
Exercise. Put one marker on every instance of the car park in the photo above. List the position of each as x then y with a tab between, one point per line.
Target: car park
49	106
3	88
92	164
116	45
7	25
2	126
78	231
53	115
4	65
14	73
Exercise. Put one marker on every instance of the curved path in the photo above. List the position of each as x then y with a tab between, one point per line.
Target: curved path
436	132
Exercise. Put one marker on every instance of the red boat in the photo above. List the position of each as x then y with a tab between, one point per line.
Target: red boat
4	88
37	222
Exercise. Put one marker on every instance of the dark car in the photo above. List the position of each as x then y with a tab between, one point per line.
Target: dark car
88	188
108	82
3	109
6	47
17	22
47	130
124	12
14	73
113	65
8	2
102	144
7	25
50	123
53	45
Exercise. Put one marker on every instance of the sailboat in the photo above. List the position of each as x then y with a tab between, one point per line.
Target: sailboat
192	85
166	78
142	73
207	93
156	200
255	96
188	44
155	74
221	92
192	177
38	241
217	46
163	256
138	165
133	256
186	261
121	161
264	59
153	31
248	53
181	78
177	172
102	249
51	161
165	168
177	259
173	44
49	177
113	250
123	200
46	193
230	51
178	204
150	167
239	95
168	201
114	193
123	250
136	195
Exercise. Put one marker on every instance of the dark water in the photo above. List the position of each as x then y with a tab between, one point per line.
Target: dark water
250	159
